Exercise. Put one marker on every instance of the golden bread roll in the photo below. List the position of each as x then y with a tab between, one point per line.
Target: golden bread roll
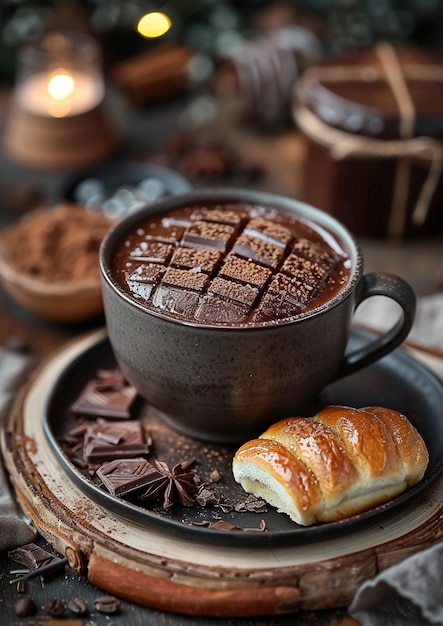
338	463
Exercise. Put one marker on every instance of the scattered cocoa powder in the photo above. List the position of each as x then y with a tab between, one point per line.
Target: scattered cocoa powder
56	245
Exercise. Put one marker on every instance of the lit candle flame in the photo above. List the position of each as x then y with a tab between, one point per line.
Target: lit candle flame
61	86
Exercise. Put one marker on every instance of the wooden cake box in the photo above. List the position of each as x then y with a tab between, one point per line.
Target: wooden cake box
373	123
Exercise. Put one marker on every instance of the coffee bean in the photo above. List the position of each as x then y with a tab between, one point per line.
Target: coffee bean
54	607
25	606
78	606
107	604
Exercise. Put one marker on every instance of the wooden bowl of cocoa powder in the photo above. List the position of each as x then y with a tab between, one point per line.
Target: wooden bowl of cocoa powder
49	262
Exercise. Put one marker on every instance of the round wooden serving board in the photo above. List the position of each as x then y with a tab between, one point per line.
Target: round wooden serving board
185	572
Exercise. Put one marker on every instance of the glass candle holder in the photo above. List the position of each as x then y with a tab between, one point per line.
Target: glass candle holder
60	76
58	117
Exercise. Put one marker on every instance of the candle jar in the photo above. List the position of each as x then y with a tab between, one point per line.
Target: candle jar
57	117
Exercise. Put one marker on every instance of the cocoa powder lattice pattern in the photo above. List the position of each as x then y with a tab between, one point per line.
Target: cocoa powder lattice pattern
230	264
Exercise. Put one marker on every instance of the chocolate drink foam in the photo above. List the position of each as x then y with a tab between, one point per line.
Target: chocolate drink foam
230	264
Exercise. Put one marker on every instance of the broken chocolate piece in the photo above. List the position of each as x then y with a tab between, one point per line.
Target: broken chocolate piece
106	440
36	558
152	252
111	396
208	235
252	505
196	259
244	271
207	497
122	476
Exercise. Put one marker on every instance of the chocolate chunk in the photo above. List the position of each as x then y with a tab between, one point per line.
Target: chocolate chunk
316	253
123	476
194	279
269	231
170	231
210	235
233	215
183	302
288	296
35	558
105	440
142	278
259	250
152	252
306	271
179	291
189	258
214	309
108	397
295	290
241	294
242	270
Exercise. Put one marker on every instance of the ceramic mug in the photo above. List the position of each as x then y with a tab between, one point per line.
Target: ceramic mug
228	383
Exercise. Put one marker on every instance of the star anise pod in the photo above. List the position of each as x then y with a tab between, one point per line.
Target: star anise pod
172	484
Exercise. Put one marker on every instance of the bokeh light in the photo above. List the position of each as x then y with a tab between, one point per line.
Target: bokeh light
154	24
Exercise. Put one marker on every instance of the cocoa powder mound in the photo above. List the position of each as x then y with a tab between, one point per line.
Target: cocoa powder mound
57	245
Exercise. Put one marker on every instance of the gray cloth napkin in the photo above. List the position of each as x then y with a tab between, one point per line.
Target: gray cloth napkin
14	529
407	594
411	592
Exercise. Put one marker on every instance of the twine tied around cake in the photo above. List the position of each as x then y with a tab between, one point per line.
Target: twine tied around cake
345	145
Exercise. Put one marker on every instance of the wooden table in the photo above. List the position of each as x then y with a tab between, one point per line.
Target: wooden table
417	261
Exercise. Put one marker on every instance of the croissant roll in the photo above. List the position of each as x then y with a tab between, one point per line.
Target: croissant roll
338	463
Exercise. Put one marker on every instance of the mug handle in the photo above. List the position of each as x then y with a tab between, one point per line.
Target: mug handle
394	287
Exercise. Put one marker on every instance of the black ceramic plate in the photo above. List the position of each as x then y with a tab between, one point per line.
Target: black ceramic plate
398	381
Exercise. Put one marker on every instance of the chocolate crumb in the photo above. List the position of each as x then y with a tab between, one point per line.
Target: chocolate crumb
215	476
207	497
252	505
